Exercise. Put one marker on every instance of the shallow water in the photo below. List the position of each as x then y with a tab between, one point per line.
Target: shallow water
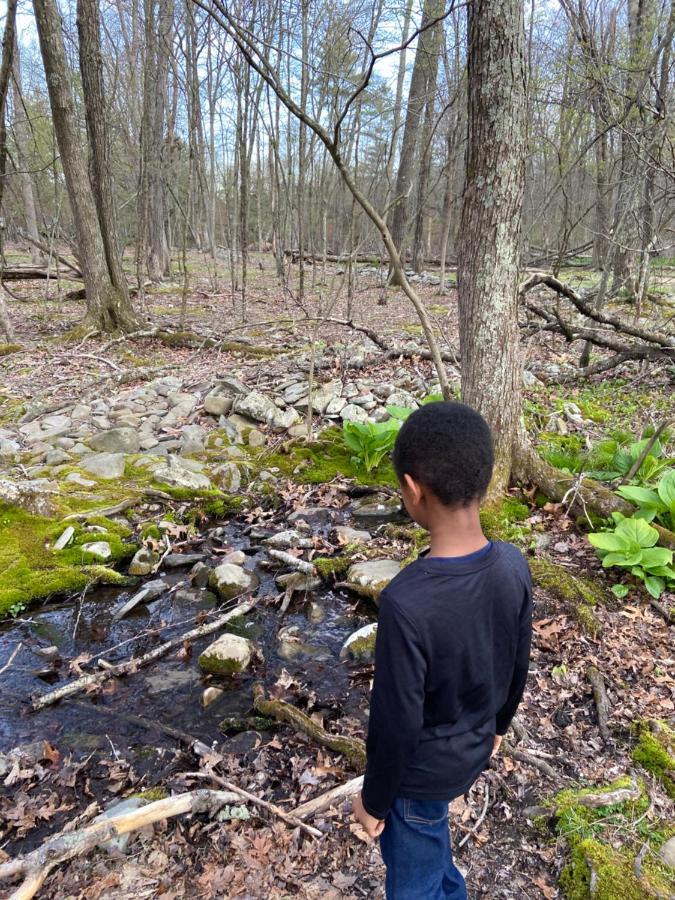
168	691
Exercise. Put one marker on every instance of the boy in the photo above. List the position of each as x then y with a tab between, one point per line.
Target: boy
451	655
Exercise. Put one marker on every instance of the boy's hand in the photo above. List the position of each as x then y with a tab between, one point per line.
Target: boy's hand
372	826
497	744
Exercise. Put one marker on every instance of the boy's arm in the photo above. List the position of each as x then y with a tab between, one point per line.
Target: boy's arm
396	707
508	710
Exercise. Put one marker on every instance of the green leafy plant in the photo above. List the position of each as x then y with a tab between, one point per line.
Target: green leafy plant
622	460
658	503
370	441
630	546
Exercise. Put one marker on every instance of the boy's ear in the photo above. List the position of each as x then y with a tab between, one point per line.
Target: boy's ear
413	487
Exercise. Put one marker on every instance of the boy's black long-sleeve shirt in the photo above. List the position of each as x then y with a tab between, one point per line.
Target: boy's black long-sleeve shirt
451	661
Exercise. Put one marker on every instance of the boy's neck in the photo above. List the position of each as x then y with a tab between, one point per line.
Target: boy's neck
456	531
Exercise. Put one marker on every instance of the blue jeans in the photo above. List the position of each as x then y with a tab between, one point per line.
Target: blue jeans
415	846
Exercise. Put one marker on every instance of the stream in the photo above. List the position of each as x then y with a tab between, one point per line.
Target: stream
168	691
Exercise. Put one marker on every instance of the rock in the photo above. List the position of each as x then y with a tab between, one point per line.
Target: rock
76	478
256	406
402	398
295	392
228	655
176	560
380	506
370	577
346	535
8	448
65	538
117	440
230	581
352	413
380	414
290	644
315	612
284	419
33	496
235	558
322	396
99	549
314	515
667	853
211	694
256	438
120	843
192	439
81	411
147	443
200	574
298	431
176	473
143	562
104	465
298	582
285	539
57	457
219	401
530	379
335	407
360	646
228	477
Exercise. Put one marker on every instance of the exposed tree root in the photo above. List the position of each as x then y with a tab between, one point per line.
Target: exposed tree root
352	749
601	701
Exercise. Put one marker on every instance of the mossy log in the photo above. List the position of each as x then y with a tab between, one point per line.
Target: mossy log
579	594
582	495
352	749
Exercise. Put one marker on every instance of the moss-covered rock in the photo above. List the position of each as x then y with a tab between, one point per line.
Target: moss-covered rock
655	752
501	520
360	646
228	655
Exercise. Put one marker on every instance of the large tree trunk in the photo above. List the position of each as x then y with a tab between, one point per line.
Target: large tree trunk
91	69
490	227
105	307
19	127
8	41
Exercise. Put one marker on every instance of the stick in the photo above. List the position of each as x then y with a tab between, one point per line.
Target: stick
292	561
37	865
131	665
289	818
330	798
11	658
645	453
601	701
479	821
524	757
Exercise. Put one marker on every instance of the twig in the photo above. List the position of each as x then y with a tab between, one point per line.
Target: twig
11	658
635	468
330	798
529	760
289	818
479	821
131	665
292	561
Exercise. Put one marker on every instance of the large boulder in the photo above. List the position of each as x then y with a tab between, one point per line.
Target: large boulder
371	577
116	440
228	655
177	473
35	497
231	581
360	645
104	465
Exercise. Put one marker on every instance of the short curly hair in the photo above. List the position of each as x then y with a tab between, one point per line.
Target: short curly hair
448	448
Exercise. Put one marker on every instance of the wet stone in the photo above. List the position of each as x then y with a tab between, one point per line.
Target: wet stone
176	560
228	655
360	646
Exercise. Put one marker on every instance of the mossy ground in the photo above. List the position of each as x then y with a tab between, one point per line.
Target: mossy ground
595	856
502	521
324	459
30	569
578	594
655	752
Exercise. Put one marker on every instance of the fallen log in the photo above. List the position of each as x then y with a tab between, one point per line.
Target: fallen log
36	866
132	665
37	273
352	749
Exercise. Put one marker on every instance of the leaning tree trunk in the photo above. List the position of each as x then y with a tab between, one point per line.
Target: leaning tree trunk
21	138
490	228
105	308
91	69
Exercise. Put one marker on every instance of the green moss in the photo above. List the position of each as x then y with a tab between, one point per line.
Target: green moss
6	349
363	649
152	794
225	506
499	520
655	752
31	570
216	666
332	566
151	530
610	868
323	460
237	724
578	594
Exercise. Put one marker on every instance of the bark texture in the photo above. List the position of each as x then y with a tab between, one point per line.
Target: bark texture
490	228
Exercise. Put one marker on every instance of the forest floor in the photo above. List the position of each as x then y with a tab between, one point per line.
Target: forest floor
509	849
